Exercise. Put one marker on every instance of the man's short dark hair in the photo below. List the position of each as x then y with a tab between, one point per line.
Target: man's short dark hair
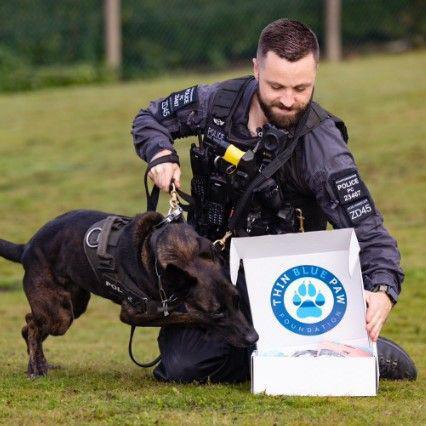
290	40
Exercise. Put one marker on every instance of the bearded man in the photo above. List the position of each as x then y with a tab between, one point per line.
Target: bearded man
319	180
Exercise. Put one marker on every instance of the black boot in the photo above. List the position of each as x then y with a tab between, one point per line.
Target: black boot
394	362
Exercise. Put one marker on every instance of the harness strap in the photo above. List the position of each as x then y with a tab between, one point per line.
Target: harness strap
101	256
319	114
282	157
226	100
313	116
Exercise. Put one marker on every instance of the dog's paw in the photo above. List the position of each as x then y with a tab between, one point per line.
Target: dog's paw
36	370
309	301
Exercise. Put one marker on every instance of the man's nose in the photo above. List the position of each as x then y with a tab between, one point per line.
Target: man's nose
287	99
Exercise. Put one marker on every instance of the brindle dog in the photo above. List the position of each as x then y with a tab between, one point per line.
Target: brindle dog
59	280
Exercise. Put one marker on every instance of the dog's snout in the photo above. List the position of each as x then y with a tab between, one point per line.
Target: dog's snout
252	337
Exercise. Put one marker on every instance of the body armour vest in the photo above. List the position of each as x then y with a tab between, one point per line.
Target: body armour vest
276	206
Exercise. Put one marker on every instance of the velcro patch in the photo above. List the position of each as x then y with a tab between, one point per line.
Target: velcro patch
349	187
177	101
359	211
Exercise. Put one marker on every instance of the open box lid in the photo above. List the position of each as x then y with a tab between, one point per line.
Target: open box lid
265	260
289	244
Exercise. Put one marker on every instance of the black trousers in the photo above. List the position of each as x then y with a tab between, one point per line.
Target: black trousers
189	354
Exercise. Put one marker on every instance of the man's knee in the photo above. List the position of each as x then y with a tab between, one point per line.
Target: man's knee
188	355
179	368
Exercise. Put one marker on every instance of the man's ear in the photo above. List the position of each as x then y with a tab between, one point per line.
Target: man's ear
177	280
256	69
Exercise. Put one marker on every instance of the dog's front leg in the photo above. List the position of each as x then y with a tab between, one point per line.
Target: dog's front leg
130	315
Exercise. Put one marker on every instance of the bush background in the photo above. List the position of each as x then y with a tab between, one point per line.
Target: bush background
52	43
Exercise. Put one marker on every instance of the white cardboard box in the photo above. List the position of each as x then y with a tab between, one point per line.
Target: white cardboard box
305	289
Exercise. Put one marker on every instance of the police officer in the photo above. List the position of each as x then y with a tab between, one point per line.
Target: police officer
320	180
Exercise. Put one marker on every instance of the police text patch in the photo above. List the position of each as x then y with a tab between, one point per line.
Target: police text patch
215	134
177	101
349	188
359	211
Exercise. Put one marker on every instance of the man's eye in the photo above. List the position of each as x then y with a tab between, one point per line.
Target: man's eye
275	86
300	89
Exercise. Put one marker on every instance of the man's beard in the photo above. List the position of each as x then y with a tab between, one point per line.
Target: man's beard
284	122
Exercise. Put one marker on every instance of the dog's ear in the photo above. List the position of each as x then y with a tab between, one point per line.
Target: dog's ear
144	224
177	280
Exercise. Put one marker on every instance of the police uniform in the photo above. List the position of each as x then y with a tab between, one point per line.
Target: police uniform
321	173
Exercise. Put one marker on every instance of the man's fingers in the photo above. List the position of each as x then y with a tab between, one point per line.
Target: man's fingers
375	317
161	175
371	311
375	324
166	177
176	176
375	331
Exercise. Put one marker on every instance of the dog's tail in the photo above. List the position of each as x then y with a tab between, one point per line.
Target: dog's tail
11	251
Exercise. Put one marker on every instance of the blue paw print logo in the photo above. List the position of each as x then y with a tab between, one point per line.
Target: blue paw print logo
309	301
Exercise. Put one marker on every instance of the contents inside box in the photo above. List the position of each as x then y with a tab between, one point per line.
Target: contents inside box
322	349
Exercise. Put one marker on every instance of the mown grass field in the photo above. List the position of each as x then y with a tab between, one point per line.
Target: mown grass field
70	148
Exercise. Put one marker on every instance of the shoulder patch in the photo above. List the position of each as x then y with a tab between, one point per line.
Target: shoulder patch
352	195
348	186
358	211
176	101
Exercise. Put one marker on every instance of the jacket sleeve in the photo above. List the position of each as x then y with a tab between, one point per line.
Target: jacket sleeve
332	176
179	115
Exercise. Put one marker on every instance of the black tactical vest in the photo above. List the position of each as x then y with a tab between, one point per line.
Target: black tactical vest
214	195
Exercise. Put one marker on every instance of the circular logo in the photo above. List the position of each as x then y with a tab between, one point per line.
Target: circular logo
308	300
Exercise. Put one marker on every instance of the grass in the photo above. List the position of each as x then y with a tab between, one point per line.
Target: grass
70	148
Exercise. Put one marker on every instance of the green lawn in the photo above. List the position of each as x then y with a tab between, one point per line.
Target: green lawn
70	148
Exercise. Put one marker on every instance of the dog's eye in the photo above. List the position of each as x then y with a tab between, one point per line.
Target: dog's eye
236	301
220	313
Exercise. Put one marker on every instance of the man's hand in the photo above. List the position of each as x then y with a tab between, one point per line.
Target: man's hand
378	307
163	174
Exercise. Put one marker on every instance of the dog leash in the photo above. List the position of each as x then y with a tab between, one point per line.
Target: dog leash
140	364
174	214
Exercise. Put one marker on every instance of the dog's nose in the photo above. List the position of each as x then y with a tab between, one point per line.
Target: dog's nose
252	337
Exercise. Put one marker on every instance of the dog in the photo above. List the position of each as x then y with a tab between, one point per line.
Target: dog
173	276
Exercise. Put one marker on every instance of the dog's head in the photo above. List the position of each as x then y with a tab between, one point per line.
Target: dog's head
191	271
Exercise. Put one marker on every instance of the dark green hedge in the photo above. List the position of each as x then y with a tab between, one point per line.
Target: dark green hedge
65	38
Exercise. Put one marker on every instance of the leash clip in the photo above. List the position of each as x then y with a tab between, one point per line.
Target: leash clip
220	244
301	219
174	214
174	199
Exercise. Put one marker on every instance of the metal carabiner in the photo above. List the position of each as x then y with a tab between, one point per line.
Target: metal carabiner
222	241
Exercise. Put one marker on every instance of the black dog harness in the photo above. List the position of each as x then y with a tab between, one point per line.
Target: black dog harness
101	247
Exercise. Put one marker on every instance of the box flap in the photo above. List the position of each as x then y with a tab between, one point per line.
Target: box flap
290	244
353	252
